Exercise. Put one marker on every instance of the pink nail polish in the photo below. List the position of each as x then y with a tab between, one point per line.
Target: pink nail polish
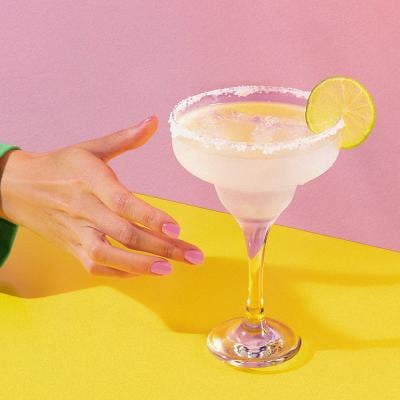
194	256
171	229
161	268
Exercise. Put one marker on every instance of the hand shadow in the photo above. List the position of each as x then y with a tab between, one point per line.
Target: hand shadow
194	299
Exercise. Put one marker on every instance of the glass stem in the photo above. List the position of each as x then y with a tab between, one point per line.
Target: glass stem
255	233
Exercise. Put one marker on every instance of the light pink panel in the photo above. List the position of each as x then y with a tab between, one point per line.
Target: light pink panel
72	70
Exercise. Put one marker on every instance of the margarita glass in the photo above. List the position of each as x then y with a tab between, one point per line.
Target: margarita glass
252	143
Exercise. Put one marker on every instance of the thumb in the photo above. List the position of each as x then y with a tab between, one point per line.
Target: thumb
108	147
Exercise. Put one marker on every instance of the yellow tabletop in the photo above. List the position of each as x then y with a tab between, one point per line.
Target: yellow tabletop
67	335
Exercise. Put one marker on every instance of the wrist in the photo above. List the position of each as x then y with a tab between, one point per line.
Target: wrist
6	167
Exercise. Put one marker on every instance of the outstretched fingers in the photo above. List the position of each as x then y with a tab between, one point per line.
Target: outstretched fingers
101	258
139	238
126	205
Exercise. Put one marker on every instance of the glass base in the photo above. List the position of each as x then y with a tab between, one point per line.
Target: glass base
253	346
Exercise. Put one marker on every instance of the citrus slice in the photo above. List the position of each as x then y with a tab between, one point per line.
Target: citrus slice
341	98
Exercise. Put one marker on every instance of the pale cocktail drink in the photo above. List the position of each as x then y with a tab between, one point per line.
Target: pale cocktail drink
252	181
252	143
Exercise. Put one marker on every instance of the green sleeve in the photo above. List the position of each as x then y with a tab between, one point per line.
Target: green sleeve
8	230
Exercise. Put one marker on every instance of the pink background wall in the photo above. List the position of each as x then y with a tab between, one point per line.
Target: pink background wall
71	70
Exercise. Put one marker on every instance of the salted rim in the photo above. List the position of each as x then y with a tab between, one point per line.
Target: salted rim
178	130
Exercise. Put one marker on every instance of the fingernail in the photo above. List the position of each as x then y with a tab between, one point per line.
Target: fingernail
144	122
152	118
194	256
171	230
161	268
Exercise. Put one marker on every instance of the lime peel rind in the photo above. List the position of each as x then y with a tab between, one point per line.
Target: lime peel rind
341	98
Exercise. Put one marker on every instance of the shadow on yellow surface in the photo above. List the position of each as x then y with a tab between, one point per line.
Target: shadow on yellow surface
321	305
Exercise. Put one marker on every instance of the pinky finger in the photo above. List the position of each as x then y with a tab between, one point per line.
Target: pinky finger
99	269
102	270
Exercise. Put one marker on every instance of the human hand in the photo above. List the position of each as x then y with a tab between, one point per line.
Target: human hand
72	197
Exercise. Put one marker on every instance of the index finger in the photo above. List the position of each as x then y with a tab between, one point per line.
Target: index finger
119	200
